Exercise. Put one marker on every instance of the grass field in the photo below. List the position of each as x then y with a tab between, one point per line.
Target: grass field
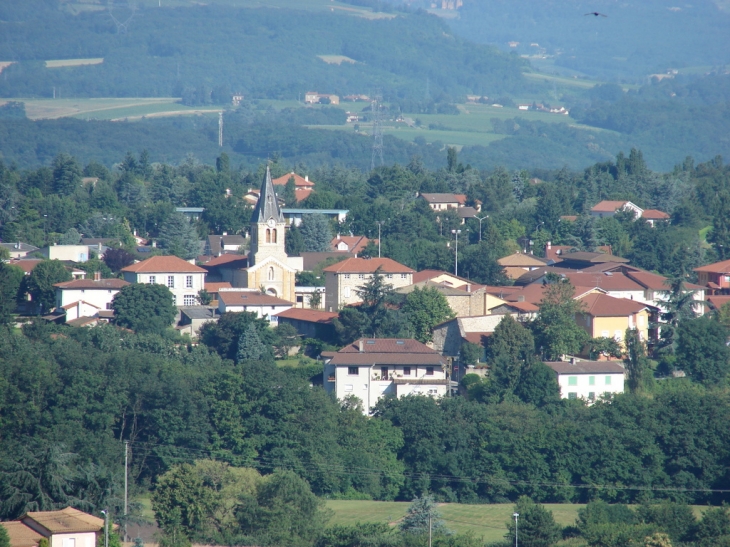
61	63
488	521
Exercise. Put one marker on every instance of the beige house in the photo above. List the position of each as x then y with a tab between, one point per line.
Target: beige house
71	253
515	265
608	317
463	301
68	527
343	279
185	280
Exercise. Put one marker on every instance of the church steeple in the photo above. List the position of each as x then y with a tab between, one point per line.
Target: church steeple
267	226
267	206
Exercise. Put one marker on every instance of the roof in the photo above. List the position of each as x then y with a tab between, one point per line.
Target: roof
466	212
65	521
368	265
355	244
425	275
82	321
164	264
21	535
716	267
717	302
198	312
91	284
445	198
26	264
19	246
655	214
593	258
229	260
216	242
387	351
298	180
520	259
443	288
586	367
608	206
74	304
267	206
311	316
476	337
608	281
250	298
603	305
311	260
215	287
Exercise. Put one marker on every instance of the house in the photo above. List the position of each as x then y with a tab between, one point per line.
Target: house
294	216
653	216
193	213
26	264
518	263
351	244
609	208
68	527
72	253
303	296
213	288
463	301
370	369
581	260
185	280
343	278
96	292
312	97
310	323
303	187
19	249
588	380
715	276
191	319
252	300
442	202
449	336
216	245
608	317
227	268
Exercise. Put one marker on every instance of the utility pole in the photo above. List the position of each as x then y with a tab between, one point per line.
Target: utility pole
456	254
480	225
126	477
106	527
379	223
516	515
429	528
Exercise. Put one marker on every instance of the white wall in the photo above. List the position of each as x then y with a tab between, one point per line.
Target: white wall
180	281
98	297
79	539
583	386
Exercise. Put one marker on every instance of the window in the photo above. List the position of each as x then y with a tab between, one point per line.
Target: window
273	236
384	373
361	276
347	292
604	333
404	276
591	380
271	273
188	281
406	371
300	299
268	235
174	300
640	320
429	371
348	387
153	279
608	380
347	276
170	281
388	276
69	542
572	395
591	395
572	380
618	335
352	371
189	300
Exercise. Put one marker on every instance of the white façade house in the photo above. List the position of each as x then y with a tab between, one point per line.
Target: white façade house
588	380
96	292
183	279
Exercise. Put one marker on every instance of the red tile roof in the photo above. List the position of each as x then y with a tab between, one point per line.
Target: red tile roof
91	284
387	351
355	244
250	298
164	264
27	264
608	206
368	265
721	267
215	287
445	198
298	180
312	316
225	259
654	214
476	337
603	305
717	302
613	281
74	304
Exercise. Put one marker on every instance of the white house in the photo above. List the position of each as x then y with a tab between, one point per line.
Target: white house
68	527
370	369
608	208
252	300
73	253
19	249
95	292
588	380
183	279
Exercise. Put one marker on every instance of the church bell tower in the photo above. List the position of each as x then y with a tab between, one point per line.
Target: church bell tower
267	226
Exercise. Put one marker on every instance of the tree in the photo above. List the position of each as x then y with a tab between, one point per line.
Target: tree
536	527
555	329
4	537
315	300
702	350
283	512
508	350
250	347
11	278
635	361
179	237
376	295
117	259
420	512
351	324
479	262
316	232
657	539
679	307
426	308
144	307
70	237
204	297
66	175
287	338
289	195
40	283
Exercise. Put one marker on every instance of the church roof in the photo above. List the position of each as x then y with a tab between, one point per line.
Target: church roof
267	207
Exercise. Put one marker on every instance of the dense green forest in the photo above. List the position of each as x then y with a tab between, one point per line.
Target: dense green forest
633	40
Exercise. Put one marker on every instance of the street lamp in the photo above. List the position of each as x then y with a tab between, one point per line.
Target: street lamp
516	516
456	254
380	224
106	527
480	225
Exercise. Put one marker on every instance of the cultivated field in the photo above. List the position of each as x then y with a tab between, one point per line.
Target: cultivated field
62	63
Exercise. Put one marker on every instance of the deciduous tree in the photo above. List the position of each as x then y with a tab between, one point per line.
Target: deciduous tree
144	307
40	283
426	308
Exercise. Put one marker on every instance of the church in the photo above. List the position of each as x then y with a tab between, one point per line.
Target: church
269	267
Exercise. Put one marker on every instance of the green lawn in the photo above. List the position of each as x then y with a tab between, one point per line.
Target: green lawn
488	521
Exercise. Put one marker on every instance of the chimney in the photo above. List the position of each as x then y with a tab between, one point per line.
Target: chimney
548	246
154	244
468	287
521	298
361	347
97	276
572	360
306	178
225	233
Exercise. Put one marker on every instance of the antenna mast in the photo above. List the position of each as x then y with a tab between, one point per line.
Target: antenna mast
377	133
220	128
122	27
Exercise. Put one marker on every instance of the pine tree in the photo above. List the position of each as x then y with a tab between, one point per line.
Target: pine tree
315	230
250	347
419	513
179	237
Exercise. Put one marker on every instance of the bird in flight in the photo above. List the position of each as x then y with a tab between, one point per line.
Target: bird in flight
595	14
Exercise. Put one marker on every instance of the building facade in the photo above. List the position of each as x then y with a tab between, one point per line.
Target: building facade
183	279
588	380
